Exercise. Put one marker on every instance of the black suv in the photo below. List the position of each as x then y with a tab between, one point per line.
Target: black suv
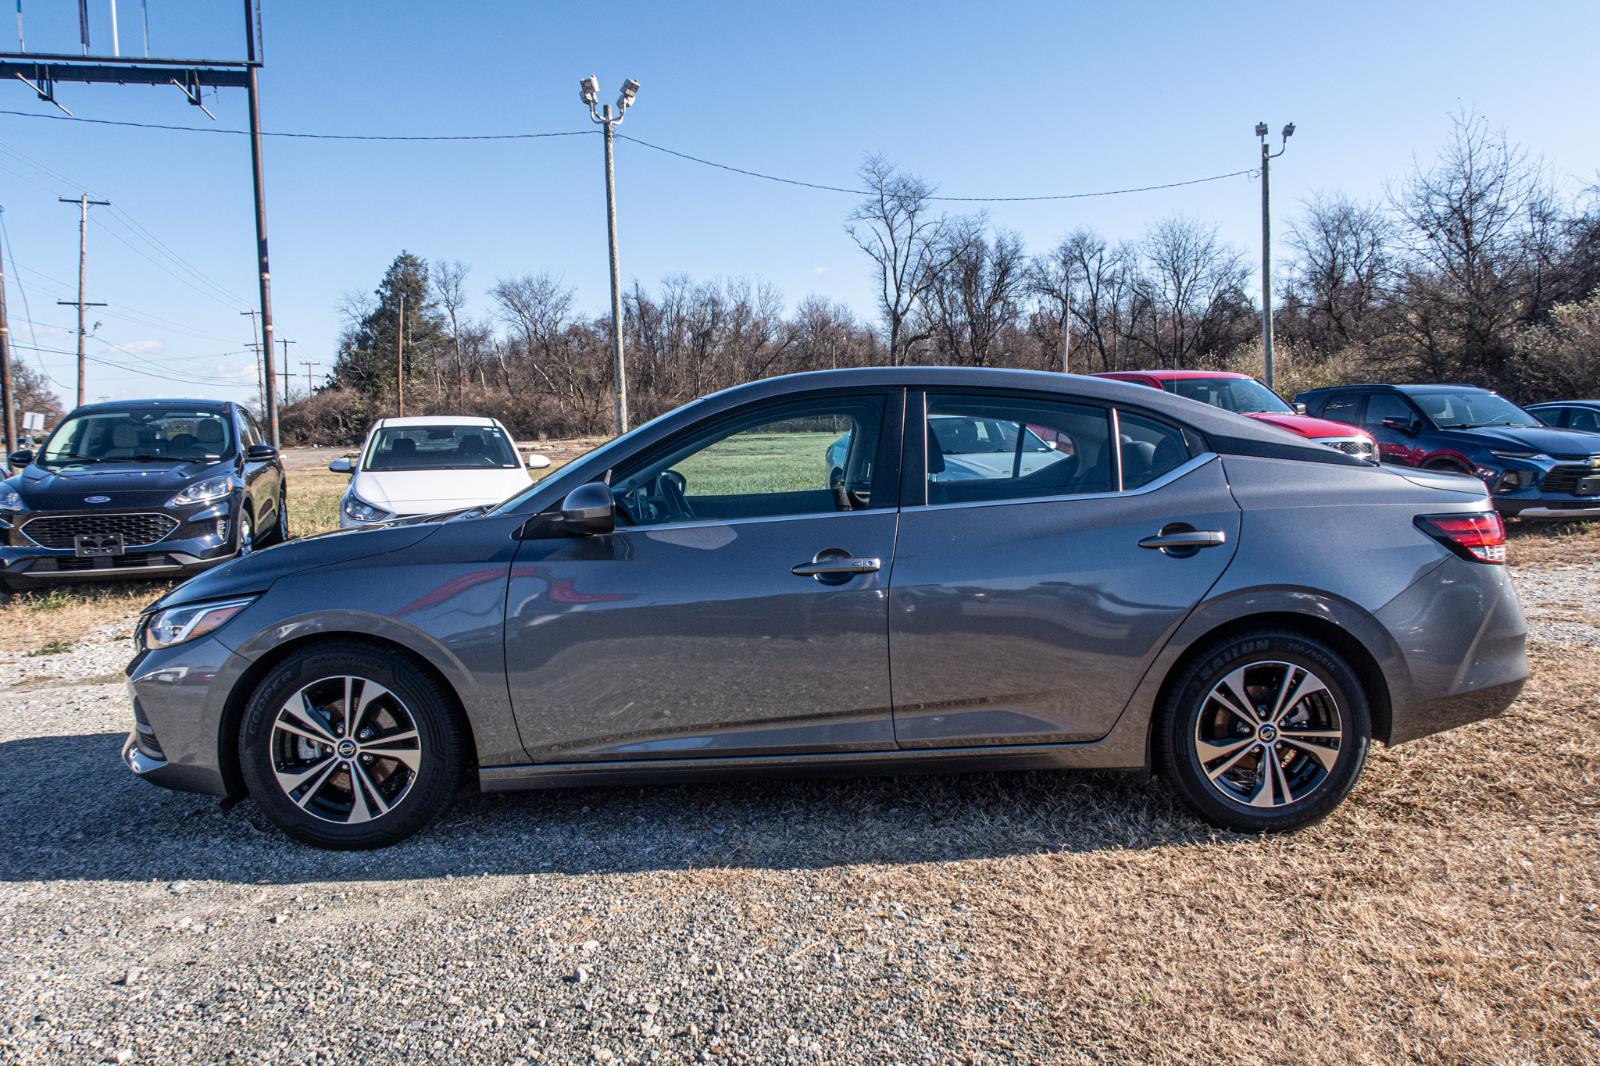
142	488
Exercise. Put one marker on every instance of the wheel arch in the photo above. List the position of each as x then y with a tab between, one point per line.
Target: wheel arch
239	696
1374	684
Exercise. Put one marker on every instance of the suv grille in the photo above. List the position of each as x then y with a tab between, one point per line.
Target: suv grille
1361	449
1565	478
61	531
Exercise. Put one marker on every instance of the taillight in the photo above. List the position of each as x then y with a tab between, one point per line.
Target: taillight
1480	537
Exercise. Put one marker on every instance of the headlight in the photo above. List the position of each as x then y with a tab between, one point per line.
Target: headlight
11	500
212	488
358	510
1519	455
178	624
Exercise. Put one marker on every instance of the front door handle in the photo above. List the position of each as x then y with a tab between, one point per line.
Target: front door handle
836	564
1188	538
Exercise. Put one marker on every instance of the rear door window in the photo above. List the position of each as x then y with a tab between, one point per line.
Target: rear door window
1342	407
1149	449
1010	448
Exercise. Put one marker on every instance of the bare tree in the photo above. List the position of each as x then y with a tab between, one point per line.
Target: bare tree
1190	293
449	279
973	301
1343	271
910	244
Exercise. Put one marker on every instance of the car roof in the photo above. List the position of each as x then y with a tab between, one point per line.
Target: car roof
1200	416
1176	375
1563	403
1409	390
122	405
435	420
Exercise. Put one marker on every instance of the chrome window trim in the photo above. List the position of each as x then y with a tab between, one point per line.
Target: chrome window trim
1165	479
177	523
702	523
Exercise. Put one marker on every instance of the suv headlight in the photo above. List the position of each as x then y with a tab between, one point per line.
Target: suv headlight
358	510
212	488
11	500
175	625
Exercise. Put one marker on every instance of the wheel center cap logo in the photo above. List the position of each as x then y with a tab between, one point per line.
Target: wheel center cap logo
1269	733
346	748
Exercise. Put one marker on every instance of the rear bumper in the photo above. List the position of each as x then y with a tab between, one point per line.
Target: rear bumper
1463	641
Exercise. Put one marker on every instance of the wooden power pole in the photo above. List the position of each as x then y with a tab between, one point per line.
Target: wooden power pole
84	203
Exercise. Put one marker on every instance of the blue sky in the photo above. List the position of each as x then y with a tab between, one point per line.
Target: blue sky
982	99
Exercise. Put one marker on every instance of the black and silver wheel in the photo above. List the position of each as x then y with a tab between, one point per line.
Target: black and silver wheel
246	533
350	746
1267	731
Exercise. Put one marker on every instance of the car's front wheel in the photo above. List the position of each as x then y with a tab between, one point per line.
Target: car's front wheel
1265	731
348	745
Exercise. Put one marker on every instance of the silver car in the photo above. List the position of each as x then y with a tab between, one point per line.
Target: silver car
723	591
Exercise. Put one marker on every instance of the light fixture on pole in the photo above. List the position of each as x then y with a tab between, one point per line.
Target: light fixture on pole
1267	156
589	93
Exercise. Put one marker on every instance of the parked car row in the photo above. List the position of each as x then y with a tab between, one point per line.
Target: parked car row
1540	462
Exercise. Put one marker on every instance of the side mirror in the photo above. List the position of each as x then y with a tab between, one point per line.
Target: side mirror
20	458
589	510
260	453
1403	425
340	465
535	461
1299	408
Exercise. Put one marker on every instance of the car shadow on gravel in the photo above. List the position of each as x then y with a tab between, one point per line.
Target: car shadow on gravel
69	811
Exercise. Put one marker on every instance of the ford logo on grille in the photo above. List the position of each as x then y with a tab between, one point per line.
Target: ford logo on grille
97	499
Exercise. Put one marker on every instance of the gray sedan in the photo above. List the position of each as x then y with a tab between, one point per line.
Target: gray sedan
726	590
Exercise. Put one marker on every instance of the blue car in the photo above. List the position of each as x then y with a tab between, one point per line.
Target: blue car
1532	470
1569	414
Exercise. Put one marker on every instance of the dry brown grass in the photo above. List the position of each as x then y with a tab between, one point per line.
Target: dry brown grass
1552	545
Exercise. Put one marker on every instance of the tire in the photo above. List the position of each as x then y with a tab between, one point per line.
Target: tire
247	533
332	793
1281	770
280	524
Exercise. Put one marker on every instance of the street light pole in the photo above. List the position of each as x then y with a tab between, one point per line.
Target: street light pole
589	92
1267	156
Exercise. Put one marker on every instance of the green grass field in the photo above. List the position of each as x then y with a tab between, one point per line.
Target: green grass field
759	462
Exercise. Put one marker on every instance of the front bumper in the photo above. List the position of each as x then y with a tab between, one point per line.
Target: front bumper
179	697
1552	509
204	536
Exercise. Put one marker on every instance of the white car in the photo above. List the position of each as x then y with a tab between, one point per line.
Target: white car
428	465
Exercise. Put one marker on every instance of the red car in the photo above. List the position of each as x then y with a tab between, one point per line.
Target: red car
1244	395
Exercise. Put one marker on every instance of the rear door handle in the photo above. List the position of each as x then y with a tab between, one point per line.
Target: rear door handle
1189	538
836	564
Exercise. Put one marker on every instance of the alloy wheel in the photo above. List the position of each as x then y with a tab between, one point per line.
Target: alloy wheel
1269	734
345	749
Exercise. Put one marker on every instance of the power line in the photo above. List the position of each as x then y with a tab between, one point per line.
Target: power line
701	161
312	136
138	370
11	253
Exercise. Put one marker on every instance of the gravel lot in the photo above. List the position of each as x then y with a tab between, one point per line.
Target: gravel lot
1448	912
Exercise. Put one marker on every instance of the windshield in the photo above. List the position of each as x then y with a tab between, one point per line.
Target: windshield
140	435
463	447
1246	396
1470	409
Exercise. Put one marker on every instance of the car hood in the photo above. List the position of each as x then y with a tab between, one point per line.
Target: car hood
259	570
1545	439
432	491
1306	426
124	484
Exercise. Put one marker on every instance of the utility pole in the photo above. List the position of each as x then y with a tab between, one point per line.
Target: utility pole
258	180
255	347
308	367
400	357
84	203
1066	332
1267	156
6	396
589	93
286	342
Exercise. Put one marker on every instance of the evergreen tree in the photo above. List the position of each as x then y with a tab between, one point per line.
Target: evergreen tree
367	349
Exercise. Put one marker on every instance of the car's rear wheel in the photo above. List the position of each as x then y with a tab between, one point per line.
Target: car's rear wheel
1265	731
348	746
